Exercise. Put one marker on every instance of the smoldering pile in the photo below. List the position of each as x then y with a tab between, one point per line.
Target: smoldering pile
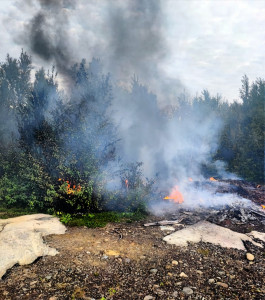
247	211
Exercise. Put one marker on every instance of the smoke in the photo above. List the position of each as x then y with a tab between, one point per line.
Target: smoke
173	146
47	34
130	38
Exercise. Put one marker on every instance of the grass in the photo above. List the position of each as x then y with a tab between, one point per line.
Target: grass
101	219
89	220
6	213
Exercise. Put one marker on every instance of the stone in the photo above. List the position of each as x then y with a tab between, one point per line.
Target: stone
167	228
221	273
224	285
187	291
153	271
175	262
112	253
207	232
21	239
211	280
179	283
148	297
182	274
175	294
199	272
250	256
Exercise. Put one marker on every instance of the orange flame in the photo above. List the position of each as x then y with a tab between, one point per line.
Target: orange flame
212	179
71	190
175	196
127	183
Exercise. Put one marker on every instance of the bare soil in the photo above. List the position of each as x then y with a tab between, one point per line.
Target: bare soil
129	261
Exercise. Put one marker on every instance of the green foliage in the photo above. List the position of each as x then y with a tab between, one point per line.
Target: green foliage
136	190
6	213
242	141
24	182
99	219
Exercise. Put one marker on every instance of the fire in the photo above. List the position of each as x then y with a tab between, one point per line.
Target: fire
71	190
212	179
127	183
175	196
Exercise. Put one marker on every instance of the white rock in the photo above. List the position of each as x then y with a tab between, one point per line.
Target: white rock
209	233
21	239
257	235
211	280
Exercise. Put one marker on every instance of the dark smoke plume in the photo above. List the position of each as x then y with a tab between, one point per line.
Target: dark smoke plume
47	34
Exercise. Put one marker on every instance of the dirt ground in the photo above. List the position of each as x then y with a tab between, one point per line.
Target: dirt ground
130	261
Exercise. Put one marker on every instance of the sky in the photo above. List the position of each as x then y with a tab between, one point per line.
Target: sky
171	45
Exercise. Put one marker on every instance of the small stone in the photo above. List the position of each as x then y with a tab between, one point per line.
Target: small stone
33	282
149	297
156	286
175	262
179	283
211	280
221	273
187	291
48	277
127	260
104	257
182	274
160	292
175	294
169	274
199	272
153	271
224	285
250	256
53	298
232	276
142	257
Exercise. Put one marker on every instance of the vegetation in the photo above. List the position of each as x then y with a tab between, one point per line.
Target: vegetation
56	148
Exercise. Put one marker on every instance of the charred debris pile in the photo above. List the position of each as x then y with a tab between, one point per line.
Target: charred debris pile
95	146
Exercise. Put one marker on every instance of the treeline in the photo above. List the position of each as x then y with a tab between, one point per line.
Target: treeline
242	141
57	148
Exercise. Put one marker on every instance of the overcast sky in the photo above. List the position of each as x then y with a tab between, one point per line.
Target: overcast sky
191	44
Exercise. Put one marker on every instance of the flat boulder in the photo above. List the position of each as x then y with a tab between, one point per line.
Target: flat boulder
21	239
207	232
